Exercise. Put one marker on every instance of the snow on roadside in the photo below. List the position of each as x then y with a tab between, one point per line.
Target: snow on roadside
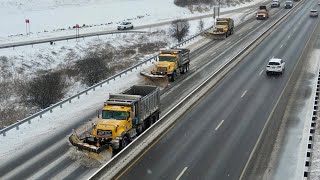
71	113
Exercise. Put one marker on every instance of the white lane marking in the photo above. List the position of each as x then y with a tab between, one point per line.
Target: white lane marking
181	173
281	46
240	34
228	43
289	36
260	72
244	93
219	125
213	53
251	27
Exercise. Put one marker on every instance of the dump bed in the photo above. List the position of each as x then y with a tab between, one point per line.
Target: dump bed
144	98
183	54
263	8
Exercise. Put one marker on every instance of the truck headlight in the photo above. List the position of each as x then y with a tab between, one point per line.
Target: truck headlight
118	138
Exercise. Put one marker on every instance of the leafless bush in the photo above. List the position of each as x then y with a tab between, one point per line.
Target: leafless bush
146	48
183	3
92	69
11	114
43	90
179	29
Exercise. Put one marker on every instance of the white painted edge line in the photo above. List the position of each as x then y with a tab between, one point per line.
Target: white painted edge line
244	93
213	53
191	93
240	34
281	46
219	125
261	72
181	173
228	43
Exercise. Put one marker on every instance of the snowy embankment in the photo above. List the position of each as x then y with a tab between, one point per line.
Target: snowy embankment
71	113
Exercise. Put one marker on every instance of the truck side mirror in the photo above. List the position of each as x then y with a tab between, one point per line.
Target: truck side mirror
98	113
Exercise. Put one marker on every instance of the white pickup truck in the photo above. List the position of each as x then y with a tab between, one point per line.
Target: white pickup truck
125	25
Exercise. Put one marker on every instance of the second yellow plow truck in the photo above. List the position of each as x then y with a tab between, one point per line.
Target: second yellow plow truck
123	117
223	29
171	63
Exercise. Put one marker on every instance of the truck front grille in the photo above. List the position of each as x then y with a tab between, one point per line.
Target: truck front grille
162	70
105	133
220	29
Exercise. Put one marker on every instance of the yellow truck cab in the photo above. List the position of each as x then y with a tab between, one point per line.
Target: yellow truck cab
171	63
123	117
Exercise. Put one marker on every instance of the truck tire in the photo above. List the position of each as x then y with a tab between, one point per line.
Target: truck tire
173	76
124	142
187	67
182	69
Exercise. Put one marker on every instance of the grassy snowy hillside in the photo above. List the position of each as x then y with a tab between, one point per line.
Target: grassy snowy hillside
22	66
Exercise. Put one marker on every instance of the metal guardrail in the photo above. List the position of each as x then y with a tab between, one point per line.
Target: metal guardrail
63	38
125	152
69	99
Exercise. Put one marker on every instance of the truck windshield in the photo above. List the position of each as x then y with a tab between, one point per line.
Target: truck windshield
118	115
221	23
167	58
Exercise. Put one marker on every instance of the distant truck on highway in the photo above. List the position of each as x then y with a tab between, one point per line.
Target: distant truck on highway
222	29
123	117
262	13
171	63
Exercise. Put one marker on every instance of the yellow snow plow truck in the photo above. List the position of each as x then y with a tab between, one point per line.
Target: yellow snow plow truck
171	63
262	13
223	28
123	117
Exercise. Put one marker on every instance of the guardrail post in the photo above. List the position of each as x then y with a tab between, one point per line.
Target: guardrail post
60	105
70	100
4	133
100	85
17	127
29	121
50	110
94	89
86	92
40	115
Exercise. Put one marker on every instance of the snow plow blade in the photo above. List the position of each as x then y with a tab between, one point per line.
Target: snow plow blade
81	145
216	36
152	76
158	80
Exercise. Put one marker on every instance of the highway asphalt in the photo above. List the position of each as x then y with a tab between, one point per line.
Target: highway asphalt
214	139
49	160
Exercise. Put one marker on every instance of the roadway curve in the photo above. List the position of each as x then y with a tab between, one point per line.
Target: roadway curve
214	139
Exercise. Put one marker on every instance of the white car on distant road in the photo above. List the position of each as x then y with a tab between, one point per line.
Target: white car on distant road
275	66
125	25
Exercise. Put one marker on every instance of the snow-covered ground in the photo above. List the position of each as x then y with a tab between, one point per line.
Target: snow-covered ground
55	17
48	19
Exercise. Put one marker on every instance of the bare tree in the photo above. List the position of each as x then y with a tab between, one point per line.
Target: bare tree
201	25
179	29
44	90
92	69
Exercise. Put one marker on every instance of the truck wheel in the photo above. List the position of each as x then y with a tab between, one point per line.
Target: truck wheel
173	77
187	67
182	69
124	142
140	129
